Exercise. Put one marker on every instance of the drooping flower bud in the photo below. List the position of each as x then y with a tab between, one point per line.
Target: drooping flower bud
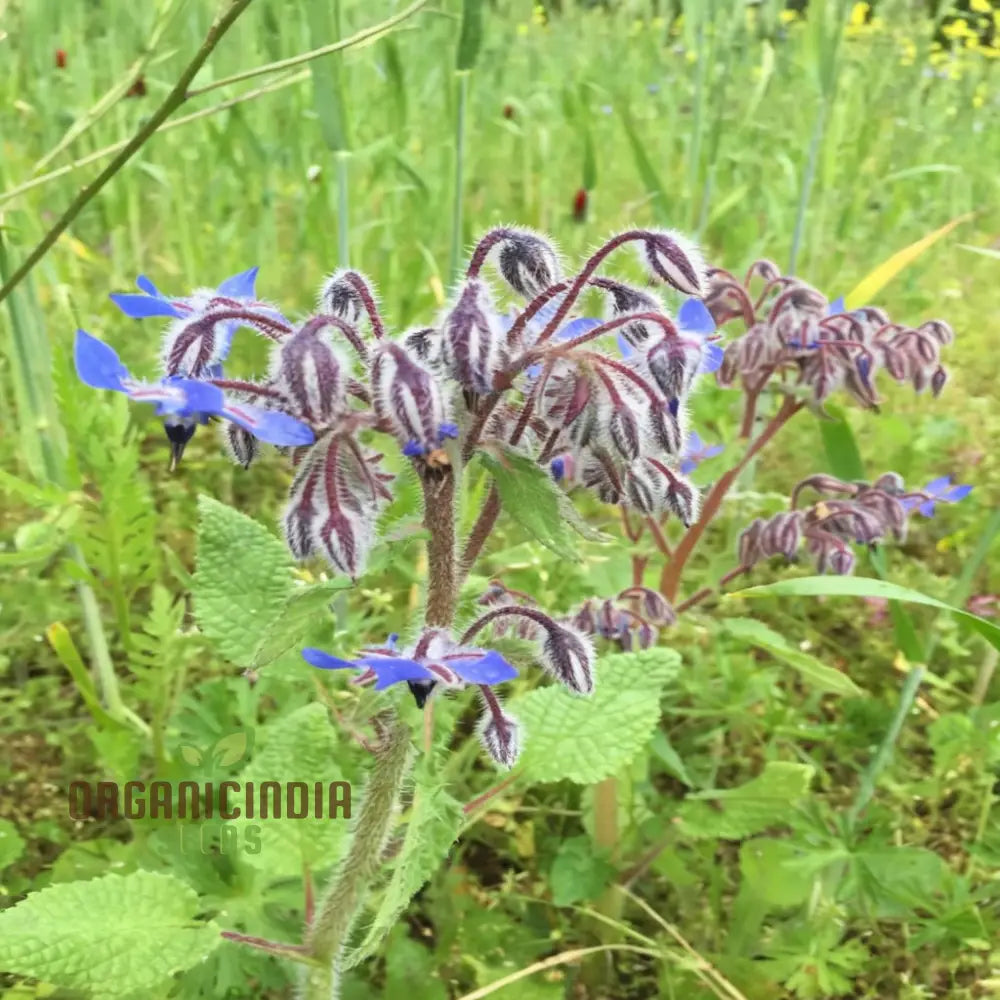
673	258
622	299
312	373
425	345
645	488
243	446
500	735
341	297
473	343
528	263
569	656
409	399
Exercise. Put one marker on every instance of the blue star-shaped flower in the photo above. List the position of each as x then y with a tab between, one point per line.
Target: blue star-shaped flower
697	452
240	287
471	666
938	490
184	403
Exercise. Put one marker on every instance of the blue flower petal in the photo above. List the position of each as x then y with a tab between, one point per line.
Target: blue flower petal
144	306
694	317
957	493
578	327
715	449
927	508
711	358
169	396
447	431
317	658
937	486
97	364
391	670
202	397
489	669
688	466
624	347
266	425
558	467
240	286
836	307
145	285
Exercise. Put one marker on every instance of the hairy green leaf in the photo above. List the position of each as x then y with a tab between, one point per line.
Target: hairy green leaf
432	829
301	747
118	934
586	739
243	579
530	496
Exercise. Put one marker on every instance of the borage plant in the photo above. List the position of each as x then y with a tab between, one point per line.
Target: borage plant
505	391
537	398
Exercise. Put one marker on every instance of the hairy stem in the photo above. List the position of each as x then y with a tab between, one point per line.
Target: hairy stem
335	913
671	576
439	520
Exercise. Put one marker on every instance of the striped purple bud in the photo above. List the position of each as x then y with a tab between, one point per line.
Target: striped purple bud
528	263
672	258
408	398
651	604
342	298
242	445
622	299
473	345
625	431
425	345
312	373
749	548
500	735
569	656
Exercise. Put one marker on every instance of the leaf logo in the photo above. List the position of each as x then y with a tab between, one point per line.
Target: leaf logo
229	750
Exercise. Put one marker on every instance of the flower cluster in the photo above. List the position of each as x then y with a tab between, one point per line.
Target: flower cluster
848	514
535	380
793	330
437	662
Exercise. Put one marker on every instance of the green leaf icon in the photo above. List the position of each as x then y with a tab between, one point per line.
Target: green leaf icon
230	748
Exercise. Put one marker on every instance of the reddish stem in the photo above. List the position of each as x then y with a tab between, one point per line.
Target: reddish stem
671	575
361	287
490	793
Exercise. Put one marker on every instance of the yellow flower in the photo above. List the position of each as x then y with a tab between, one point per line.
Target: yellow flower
788	16
959	28
538	16
908	56
980	6
859	13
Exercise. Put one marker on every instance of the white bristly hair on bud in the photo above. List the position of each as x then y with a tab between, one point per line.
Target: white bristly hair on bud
674	258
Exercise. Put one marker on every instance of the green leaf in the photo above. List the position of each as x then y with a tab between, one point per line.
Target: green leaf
471	37
735	813
302	746
529	494
818	674
841	447
300	610
586	739
243	579
853	586
433	828
779	872
11	844
119	934
579	872
894	881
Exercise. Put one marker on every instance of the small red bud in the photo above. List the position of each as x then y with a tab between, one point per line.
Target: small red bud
580	205
60	58
508	111
138	89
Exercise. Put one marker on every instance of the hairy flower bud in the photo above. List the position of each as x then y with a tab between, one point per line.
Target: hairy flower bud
528	263
672	258
622	299
409	399
425	345
473	343
312	373
749	547
341	297
625	432
500	735
651	604
645	487
569	656
243	446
